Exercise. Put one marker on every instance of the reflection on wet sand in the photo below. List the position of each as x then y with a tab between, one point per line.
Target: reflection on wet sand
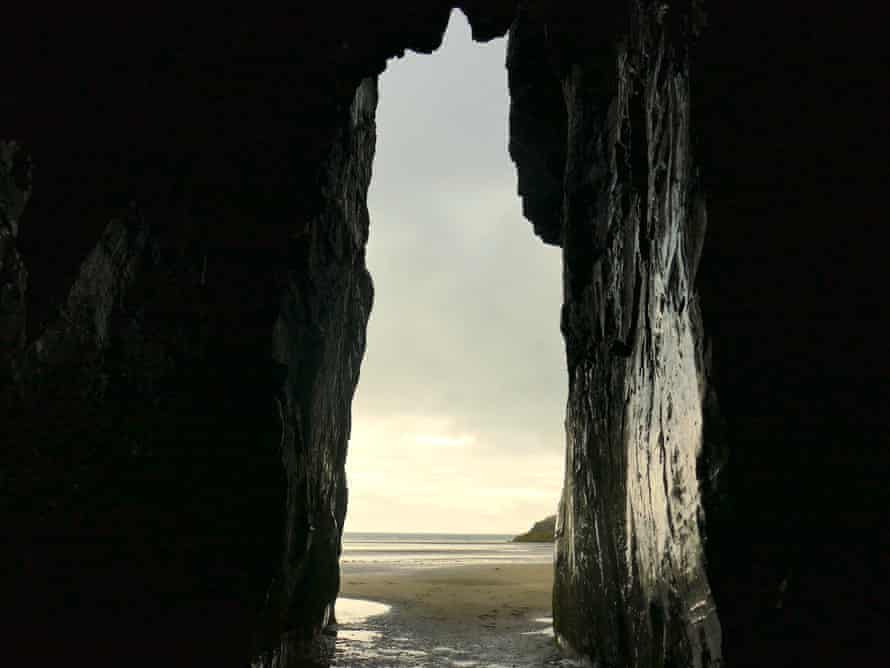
430	601
395	638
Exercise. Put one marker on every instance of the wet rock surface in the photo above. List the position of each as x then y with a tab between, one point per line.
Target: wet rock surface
631	584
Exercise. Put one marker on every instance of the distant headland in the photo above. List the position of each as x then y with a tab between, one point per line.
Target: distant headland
541	532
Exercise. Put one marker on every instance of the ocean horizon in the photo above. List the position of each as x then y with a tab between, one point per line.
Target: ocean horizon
441	536
365	551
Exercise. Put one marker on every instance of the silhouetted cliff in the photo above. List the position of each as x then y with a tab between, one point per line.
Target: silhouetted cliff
541	532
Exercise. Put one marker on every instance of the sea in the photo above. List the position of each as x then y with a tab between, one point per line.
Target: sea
369	552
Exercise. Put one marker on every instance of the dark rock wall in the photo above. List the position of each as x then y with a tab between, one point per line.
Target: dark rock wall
179	427
537	126
15	186
319	338
143	484
790	106
631	582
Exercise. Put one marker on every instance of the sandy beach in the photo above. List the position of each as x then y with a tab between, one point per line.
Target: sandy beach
467	615
443	600
495	597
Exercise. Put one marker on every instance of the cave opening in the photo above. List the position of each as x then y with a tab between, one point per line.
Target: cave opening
457	440
184	299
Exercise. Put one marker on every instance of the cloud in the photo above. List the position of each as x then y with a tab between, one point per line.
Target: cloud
458	415
444	441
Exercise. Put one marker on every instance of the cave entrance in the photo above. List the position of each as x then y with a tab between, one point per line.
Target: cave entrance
457	429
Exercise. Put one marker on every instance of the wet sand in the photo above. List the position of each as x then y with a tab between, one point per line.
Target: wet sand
468	616
495	597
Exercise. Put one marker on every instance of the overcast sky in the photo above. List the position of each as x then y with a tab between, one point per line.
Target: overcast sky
458	415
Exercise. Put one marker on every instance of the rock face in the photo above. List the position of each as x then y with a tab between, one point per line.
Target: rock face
541	532
210	397
319	338
631	584
132	430
15	186
178	360
793	296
